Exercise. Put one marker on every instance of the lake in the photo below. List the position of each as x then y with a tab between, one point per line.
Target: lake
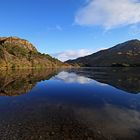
70	104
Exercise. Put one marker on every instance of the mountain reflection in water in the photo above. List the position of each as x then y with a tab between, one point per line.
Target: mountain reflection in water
13	82
126	79
17	82
70	104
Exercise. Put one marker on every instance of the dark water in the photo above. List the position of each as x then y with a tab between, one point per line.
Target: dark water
72	104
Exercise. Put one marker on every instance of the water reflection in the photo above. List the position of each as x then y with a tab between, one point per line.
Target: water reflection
13	83
72	104
126	79
72	78
18	82
22	81
112	122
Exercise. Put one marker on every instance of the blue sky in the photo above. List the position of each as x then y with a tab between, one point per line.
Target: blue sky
68	29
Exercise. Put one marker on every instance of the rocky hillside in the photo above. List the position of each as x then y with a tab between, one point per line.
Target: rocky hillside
125	54
19	53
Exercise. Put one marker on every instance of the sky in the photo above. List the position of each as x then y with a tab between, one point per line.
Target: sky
67	29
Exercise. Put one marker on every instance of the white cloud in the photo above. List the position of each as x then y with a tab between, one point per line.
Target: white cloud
72	78
109	13
72	54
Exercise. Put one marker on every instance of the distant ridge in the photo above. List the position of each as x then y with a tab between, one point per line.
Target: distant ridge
19	53
124	54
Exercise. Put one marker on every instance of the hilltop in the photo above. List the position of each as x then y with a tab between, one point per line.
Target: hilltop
20	53
124	54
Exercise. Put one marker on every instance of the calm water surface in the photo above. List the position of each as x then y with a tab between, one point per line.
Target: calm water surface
70	104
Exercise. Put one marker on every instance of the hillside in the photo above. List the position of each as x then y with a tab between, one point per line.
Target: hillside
124	54
19	53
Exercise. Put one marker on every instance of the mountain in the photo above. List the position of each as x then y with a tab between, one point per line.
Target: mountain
124	54
19	53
